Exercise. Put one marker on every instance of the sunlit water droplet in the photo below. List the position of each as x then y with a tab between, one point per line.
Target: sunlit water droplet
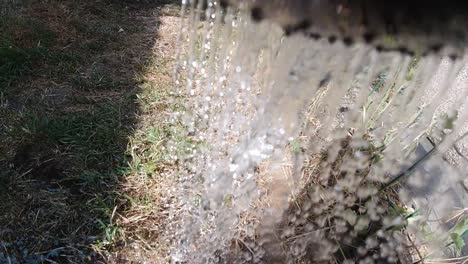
360	118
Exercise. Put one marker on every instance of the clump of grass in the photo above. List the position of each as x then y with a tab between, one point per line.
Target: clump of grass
339	215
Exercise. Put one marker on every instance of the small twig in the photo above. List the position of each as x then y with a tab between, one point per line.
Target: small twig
48	251
50	261
308	233
83	224
457	214
25	173
245	245
149	247
421	259
6	253
113	214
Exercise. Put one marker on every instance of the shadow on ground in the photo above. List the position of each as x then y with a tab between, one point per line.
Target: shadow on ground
68	88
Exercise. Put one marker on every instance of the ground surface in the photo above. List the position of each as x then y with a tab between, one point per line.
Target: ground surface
84	88
84	99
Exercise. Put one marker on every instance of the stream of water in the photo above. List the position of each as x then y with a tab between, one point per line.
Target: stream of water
295	143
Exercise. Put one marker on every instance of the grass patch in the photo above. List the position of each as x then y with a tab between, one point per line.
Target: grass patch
15	62
22	42
25	32
28	46
93	136
69	102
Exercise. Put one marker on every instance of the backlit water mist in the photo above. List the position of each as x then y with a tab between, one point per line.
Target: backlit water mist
306	151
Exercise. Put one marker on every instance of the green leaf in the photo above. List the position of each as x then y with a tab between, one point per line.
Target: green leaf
461	228
413	214
295	146
457	233
457	241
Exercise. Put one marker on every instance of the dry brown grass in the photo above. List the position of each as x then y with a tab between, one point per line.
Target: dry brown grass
84	80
